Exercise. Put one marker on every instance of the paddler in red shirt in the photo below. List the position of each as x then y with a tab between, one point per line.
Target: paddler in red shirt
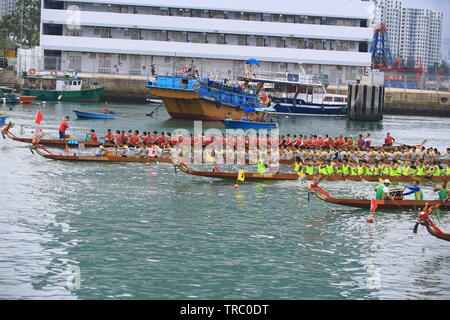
63	127
319	141
91	136
289	141
388	141
360	141
350	142
109	137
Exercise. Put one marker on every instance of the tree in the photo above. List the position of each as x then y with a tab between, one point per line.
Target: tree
439	69
22	26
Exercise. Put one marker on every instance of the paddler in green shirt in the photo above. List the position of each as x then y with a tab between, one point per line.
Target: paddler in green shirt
443	192
382	191
345	168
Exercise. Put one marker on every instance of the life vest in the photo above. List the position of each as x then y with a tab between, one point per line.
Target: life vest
405	170
297	166
345	169
309	170
361	170
437	172
353	171
323	170
420	171
261	168
330	169
369	171
377	170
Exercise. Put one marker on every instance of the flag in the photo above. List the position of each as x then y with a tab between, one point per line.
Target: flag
39	117
373	205
67	149
241	175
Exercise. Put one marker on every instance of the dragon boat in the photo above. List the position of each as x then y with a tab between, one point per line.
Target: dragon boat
234	175
380	204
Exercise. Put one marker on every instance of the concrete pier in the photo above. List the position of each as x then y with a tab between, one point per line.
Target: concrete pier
365	102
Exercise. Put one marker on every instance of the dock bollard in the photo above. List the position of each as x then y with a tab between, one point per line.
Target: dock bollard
365	102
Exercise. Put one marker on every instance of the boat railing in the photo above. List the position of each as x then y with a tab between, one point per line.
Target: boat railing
234	98
173	82
303	78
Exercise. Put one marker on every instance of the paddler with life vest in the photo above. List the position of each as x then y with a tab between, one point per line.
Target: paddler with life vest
297	165
261	166
382	191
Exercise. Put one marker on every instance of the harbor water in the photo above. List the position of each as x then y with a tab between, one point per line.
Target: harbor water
135	231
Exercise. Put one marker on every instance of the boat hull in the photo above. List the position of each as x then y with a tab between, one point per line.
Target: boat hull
26	99
105	159
86	95
387	204
234	175
249	125
89	115
183	104
302	108
378	178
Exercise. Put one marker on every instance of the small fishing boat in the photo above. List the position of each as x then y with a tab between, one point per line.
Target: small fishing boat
234	175
241	124
90	115
26	99
61	88
381	204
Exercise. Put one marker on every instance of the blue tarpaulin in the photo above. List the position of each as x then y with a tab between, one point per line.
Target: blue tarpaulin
254	61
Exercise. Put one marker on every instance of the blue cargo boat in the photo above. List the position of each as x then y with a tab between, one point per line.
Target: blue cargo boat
90	115
186	96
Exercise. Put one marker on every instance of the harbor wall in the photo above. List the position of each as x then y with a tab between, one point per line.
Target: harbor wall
410	102
397	101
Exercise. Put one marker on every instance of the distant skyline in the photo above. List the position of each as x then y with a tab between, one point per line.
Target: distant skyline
439	5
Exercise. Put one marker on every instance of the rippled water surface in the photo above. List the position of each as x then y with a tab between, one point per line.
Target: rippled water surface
143	232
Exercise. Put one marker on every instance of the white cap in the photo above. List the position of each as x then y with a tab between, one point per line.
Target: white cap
387	181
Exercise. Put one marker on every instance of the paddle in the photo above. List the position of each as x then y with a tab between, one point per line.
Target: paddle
416	227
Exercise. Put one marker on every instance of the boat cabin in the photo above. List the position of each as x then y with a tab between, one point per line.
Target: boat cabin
300	86
64	83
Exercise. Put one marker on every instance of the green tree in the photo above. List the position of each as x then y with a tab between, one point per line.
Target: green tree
442	69
22	26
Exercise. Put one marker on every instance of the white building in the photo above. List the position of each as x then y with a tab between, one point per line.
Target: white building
7	6
413	33
328	37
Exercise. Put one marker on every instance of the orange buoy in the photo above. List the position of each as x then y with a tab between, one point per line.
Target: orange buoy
236	186
370	220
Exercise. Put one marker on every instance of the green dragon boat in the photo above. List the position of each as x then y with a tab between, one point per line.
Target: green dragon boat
66	88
